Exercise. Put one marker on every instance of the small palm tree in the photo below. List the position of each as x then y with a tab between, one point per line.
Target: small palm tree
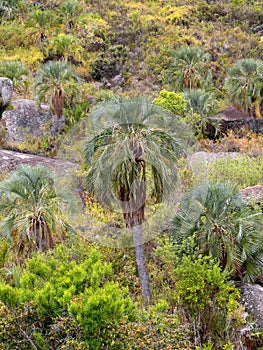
224	227
8	8
189	69
203	104
5	10
64	45
53	84
244	85
70	11
30	209
119	158
41	20
14	70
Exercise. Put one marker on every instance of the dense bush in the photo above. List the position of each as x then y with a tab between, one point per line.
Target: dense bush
208	300
58	291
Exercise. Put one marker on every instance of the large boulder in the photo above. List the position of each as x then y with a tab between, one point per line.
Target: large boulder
25	119
252	299
6	91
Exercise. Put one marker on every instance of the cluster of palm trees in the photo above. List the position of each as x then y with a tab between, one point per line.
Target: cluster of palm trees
55	82
132	147
132	152
190	70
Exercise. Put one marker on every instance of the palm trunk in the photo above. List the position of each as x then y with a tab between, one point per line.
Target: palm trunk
141	265
134	217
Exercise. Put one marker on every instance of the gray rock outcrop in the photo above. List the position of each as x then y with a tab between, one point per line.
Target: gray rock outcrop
10	161
252	299
6	91
253	193
25	119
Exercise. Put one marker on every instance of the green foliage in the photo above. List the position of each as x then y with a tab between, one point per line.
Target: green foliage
15	71
109	63
200	101
54	83
65	46
172	101
244	171
8	9
127	130
31	210
70	10
42	21
200	106
74	293
158	329
207	299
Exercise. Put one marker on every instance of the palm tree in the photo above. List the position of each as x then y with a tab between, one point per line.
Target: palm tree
8	8
53	83
189	69
64	45
14	70
71	10
30	209
224	227
119	158
41	20
201	105
244	85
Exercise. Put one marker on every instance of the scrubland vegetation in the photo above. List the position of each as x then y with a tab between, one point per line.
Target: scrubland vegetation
148	76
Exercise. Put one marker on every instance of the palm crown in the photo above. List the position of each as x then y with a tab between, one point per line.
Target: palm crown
121	153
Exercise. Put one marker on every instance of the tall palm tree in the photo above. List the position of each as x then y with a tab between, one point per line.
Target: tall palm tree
30	209
189	68
121	155
53	84
224	227
244	85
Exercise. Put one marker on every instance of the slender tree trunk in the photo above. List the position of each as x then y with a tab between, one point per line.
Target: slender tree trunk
133	213
141	264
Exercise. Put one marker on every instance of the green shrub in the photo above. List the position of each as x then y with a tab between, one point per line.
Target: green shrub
110	63
57	287
172	101
242	170
208	300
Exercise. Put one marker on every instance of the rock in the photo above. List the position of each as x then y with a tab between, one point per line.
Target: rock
10	160
26	119
254	193
252	299
233	119
6	91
